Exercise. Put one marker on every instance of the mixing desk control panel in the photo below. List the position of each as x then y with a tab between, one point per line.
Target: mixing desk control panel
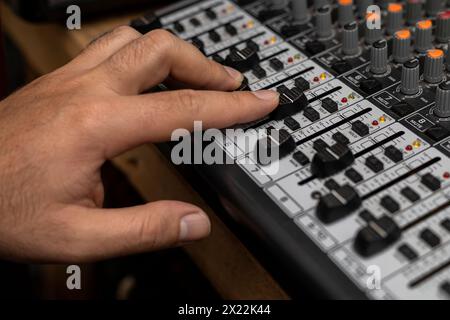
364	127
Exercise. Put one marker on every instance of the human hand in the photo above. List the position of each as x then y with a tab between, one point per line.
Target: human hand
57	132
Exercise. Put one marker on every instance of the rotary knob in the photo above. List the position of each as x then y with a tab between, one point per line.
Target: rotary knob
434	66
323	22
394	18
443	100
320	3
433	7
401	48
350	39
410	77
300	11
371	31
443	27
362	7
413	11
345	12
379	57
423	35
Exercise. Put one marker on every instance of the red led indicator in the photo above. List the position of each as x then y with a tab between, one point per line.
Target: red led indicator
409	148
344	100
446	175
316	79
374	122
290	60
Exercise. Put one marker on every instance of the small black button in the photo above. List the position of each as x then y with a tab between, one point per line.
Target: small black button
276	64
431	182
330	105
410	194
430	238
341	66
199	44
282	142
445	287
214	36
408	252
301	158
230	29
374	164
211	14
446	224
319	144
311	114
339	137
360	128
353	175
331	184
366	215
389	204
370	86
195	22
291	123
178	26
314	47
393	153
302	84
402	109
437	133
259	72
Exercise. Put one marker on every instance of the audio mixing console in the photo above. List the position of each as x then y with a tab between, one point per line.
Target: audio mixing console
364	117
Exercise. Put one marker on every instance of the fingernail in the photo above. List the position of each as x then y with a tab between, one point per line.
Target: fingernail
194	226
266	94
236	75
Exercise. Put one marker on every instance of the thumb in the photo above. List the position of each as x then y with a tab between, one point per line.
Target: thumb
96	234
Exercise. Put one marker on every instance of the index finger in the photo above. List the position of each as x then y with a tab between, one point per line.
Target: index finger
150	59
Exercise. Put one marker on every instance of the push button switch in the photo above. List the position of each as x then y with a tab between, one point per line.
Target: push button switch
353	175
408	252
360	128
430	238
393	154
330	105
410	194
301	158
431	182
389	204
374	164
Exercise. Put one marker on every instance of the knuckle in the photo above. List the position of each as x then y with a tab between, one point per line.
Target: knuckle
189	102
125	32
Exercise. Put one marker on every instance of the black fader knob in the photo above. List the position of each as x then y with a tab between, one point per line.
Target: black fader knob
377	236
276	145
242	60
331	160
292	101
338	204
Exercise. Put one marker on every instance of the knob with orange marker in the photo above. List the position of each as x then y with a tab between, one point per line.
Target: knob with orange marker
394	17
434	66
401	47
424	36
345	12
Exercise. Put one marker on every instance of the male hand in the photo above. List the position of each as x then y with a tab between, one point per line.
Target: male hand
56	133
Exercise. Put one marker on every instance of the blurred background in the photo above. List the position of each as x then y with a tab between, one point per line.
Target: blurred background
168	274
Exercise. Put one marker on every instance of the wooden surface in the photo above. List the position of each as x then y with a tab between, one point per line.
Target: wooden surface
223	259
